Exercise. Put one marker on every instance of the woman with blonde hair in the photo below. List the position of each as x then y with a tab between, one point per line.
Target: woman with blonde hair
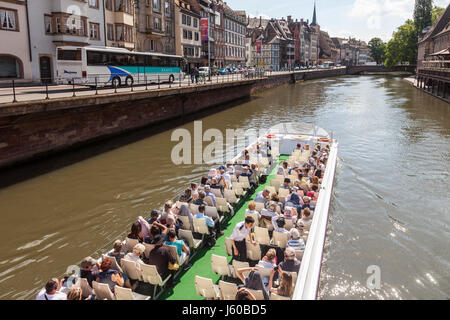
75	294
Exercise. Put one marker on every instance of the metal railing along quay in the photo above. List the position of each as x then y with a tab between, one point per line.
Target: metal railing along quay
14	91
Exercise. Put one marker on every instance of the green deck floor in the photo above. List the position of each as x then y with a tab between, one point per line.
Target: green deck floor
184	288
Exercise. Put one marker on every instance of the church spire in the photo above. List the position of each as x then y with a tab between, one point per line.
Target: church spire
314	21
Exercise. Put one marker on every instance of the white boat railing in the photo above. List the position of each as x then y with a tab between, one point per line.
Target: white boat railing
308	280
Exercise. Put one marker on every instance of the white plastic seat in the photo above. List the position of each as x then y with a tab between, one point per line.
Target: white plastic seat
194	208
130	243
258	294
213	213
150	275
148	248
173	250
265	272
200	226
274	296
255	217
222	205
130	269
126	294
238	265
209	201
186	222
229	246
227	290
238	189
289	224
299	254
253	251
262	235
259	206
187	236
230	196
283	192
276	184
220	265
206	288
245	182
102	291
280	239
292	178
271	189
86	289
279	177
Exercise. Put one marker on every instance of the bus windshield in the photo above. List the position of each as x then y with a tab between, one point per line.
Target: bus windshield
69	54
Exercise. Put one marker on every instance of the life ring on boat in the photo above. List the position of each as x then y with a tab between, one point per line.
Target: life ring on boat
323	139
271	136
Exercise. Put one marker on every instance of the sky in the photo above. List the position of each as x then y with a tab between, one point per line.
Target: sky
361	19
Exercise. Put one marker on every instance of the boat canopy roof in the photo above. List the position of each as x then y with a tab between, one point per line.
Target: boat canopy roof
298	128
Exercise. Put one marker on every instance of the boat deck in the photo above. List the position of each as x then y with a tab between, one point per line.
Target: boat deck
201	263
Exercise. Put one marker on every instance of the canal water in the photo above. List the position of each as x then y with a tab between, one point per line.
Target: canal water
390	207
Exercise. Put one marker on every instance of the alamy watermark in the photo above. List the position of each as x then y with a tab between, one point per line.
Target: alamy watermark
374	280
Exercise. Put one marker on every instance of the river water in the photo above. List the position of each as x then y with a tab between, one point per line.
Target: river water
390	206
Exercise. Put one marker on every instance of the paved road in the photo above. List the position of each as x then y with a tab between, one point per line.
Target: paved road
33	93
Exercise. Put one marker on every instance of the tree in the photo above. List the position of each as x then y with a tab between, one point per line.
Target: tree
436	14
422	14
377	50
403	45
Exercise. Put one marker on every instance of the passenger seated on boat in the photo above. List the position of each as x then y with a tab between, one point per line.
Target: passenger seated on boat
203	182
156	229
136	254
225	178
182	249
290	213
262	196
268	261
295	241
210	223
267	214
145	227
295	168
275	198
213	173
160	257
244	295
116	252
51	291
306	203
185	212
136	232
201	198
167	210
154	216
305	221
246	160
247	172
112	277
194	188
254	280
286	288
294	201
283	170
187	196
88	270
290	263
251	207
230	168
278	223
215	185
76	294
254	176
286	184
208	193
174	223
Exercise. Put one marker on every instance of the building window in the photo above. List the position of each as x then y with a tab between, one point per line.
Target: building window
109	5
183	19
168	28
167	9
148	22
10	67
119	33
157	5
188	21
8	20
48	24
157	23
94	31
195	22
110	32
93	4
124	6
185	34
196	36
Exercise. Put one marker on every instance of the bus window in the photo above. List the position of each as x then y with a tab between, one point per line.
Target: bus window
140	60
69	55
132	61
156	61
122	59
148	61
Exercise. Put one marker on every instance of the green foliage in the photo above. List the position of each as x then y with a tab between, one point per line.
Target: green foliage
422	14
403	45
377	50
436	14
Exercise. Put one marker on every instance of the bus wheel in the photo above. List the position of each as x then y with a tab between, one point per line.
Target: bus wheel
129	81
171	78
115	82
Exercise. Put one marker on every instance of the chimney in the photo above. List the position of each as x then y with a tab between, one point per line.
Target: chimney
289	19
307	22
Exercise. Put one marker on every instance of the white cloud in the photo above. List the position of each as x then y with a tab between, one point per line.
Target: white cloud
368	8
264	16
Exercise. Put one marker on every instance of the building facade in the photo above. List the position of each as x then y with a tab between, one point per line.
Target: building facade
15	54
155	26
56	23
235	29
188	39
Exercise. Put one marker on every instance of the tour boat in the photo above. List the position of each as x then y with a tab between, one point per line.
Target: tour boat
283	140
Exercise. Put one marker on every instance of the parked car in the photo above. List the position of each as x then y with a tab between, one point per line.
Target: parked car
224	71
203	71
